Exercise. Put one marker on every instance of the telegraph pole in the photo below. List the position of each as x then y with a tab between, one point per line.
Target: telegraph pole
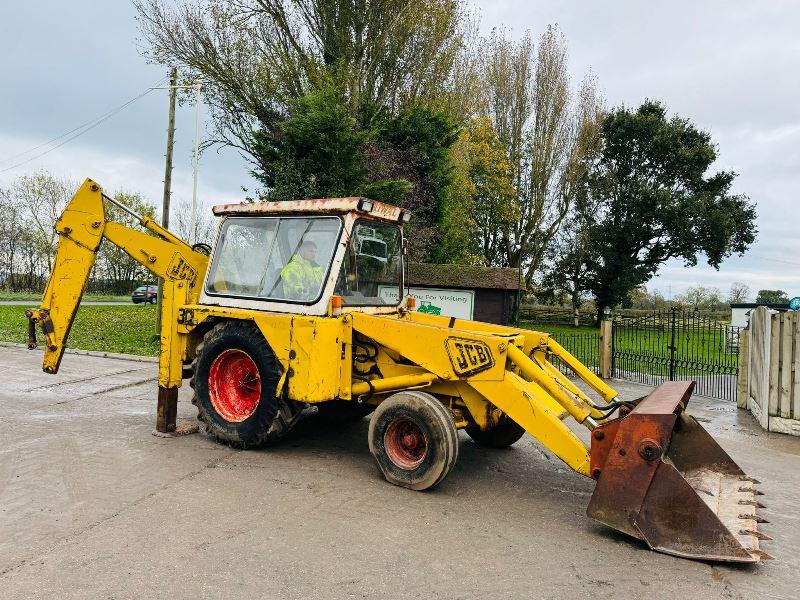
195	162
173	81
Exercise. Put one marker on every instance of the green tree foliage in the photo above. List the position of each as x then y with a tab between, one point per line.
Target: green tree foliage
323	151
655	202
772	297
481	199
414	147
330	97
317	153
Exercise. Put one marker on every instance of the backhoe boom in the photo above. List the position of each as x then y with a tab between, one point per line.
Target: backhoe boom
82	228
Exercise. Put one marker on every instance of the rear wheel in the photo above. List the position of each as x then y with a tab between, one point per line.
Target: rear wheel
413	439
506	433
235	379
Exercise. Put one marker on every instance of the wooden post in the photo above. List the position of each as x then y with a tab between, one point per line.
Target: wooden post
760	318
771	402
743	383
606	332
173	82
784	408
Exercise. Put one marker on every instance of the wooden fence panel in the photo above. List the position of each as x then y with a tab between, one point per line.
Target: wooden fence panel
771	390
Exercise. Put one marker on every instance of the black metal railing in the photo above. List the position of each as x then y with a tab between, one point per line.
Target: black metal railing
583	345
675	344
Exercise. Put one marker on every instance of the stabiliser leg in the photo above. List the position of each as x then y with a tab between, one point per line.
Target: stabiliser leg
167	413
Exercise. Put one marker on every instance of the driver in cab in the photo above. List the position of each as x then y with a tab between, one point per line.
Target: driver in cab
302	276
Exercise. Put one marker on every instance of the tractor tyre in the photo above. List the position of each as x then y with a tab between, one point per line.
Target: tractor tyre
506	433
235	378
413	439
343	412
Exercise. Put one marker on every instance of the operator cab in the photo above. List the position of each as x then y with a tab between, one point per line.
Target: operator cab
293	256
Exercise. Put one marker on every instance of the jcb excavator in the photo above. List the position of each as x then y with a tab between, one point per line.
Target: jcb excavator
291	309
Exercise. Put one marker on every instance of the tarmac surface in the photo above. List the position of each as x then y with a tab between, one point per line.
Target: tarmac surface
94	506
33	303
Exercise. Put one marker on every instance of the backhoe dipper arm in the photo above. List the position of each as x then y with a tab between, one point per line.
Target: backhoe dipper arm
81	229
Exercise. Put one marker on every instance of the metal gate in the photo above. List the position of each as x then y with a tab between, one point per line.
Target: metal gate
675	344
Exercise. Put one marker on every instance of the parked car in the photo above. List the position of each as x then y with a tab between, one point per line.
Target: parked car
145	293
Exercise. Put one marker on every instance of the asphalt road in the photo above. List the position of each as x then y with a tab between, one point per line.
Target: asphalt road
32	303
93	506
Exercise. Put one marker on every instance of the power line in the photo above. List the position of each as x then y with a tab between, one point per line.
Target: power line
778	260
81	129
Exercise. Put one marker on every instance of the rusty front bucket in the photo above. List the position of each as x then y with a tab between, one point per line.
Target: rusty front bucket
663	479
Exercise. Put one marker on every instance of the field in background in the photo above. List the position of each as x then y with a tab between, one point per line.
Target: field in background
34	297
124	329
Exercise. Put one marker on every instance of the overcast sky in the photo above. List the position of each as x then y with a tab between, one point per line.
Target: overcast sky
731	67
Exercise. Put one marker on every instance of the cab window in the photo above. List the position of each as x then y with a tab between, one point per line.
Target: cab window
372	267
281	258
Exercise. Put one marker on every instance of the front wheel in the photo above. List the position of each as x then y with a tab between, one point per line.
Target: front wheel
413	439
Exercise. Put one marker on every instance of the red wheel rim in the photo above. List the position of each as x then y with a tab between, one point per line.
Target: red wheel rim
405	444
234	385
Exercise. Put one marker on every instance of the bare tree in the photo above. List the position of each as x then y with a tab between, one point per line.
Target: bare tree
549	137
42	197
739	292
181	223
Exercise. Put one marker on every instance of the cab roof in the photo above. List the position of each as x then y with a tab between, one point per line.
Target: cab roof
324	206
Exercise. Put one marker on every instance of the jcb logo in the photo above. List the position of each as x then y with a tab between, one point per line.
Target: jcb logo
468	356
180	269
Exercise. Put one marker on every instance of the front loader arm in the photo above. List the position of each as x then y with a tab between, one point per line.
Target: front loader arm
82	228
660	476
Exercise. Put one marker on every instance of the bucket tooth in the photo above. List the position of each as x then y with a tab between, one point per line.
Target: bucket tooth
755	503
761	554
756	518
752	480
752	490
757	534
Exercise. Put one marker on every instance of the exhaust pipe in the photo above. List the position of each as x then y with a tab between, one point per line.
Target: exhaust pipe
663	479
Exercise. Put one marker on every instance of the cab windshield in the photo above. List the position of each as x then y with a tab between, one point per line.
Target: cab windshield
372	266
281	258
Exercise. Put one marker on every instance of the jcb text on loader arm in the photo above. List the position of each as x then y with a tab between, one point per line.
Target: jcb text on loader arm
302	303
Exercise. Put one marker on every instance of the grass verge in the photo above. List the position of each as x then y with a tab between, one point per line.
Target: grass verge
25	296
123	329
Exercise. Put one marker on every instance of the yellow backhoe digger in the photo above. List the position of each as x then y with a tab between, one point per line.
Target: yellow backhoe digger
302	303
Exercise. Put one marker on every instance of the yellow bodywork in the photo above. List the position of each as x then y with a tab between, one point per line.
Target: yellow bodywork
479	371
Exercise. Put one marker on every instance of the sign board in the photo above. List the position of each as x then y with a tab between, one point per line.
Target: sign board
448	303
794	303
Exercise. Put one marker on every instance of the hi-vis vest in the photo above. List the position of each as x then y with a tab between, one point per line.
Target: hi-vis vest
301	278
